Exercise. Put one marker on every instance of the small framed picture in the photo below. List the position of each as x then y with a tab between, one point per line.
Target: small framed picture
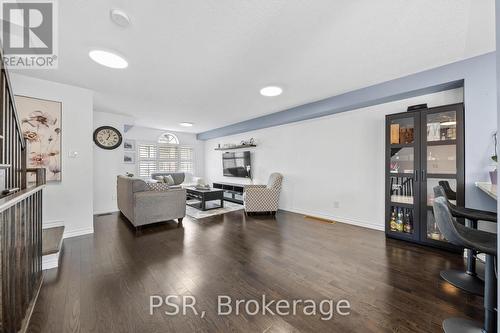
129	157
129	145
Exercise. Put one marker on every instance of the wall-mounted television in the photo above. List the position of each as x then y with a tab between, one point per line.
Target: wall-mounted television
237	164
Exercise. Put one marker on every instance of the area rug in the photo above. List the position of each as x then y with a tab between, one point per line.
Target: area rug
199	214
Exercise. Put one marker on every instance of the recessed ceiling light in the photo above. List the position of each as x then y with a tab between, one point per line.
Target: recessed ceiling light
271	91
108	59
119	17
185	124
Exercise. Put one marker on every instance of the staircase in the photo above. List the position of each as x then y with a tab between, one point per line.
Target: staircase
52	241
21	205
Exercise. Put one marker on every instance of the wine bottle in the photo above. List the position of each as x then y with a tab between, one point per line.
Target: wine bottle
393	221
407	223
399	222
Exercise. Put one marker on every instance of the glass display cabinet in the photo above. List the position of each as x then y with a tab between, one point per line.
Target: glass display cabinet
423	147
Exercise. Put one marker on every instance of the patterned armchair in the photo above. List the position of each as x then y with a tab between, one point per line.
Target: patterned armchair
262	198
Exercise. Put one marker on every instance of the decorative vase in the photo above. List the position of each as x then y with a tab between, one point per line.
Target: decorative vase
493	176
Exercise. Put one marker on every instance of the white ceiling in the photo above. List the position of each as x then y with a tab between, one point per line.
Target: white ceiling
204	61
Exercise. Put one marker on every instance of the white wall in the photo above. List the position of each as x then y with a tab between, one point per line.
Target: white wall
109	163
324	160
70	201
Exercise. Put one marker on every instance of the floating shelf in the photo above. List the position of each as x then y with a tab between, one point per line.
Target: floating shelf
237	147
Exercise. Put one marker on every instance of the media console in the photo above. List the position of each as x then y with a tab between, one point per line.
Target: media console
232	192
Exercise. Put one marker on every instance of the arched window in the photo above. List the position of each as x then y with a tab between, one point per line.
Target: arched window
165	156
168	138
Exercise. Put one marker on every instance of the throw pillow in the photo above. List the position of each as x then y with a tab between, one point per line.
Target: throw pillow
158	187
169	180
160	179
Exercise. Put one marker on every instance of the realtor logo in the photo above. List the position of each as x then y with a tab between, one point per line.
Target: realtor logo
29	34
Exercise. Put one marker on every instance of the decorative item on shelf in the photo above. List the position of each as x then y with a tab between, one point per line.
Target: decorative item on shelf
394	134
406	135
394	167
242	144
494	158
433	131
128	174
402	190
250	142
447	133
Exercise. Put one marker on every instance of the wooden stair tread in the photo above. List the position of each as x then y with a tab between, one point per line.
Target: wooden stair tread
52	240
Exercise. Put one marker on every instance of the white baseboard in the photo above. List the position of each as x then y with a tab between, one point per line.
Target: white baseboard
50	261
78	232
345	220
52	224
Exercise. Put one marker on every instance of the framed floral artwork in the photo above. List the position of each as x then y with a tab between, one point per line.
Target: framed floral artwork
41	125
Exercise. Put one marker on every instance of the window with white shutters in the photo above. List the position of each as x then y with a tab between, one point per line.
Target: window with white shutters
165	158
146	168
186	159
147	159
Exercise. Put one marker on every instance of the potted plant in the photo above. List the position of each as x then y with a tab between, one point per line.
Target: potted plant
494	158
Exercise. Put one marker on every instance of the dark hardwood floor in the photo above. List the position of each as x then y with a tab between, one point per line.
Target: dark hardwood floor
105	279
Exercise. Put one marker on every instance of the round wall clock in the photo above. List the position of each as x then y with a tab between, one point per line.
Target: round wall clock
107	137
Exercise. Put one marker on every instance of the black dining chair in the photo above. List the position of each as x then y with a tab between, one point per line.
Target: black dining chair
481	242
452	195
468	280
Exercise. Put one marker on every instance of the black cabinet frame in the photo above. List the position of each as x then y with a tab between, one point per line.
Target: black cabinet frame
420	174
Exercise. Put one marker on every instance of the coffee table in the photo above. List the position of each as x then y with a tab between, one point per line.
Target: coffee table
204	196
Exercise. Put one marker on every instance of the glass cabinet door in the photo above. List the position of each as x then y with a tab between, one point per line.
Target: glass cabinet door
402	160
442	137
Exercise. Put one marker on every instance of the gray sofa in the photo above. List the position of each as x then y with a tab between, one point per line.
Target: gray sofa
141	206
